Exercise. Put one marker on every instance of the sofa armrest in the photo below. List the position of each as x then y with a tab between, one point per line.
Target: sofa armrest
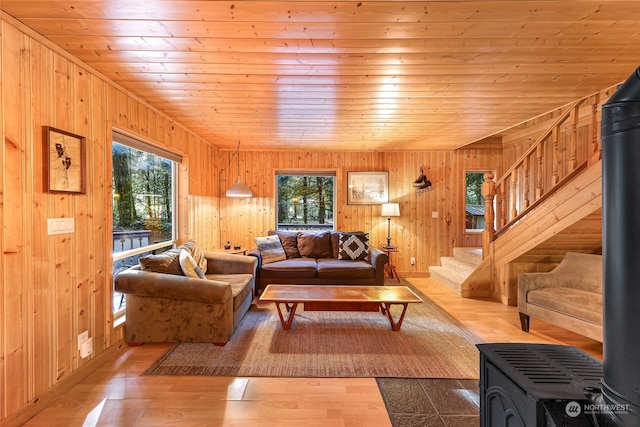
170	286
255	252
221	263
378	259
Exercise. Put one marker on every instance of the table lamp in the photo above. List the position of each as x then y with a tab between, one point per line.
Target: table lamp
389	210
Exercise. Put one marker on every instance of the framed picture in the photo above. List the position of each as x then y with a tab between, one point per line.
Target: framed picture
367	188
65	159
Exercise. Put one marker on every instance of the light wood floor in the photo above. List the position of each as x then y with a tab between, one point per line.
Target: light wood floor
116	395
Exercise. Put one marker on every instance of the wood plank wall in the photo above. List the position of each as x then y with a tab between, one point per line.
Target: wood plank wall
415	232
54	287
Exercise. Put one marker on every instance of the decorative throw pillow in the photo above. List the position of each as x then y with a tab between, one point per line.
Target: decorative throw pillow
270	248
189	265
166	262
197	253
315	245
289	240
353	246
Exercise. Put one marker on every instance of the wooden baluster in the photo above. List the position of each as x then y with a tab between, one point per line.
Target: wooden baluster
503	204
514	194
540	172
573	145
525	195
554	157
488	192
595	151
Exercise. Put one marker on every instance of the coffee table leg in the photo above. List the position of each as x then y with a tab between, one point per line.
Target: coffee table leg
291	308
386	310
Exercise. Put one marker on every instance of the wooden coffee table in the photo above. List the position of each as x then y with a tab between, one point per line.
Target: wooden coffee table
340	297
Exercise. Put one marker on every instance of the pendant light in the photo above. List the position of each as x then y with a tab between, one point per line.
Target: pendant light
238	189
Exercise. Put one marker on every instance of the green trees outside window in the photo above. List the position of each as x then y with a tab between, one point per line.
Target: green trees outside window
142	193
474	206
305	202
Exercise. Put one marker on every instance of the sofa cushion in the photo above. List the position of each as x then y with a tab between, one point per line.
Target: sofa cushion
189	265
197	253
289	241
353	246
573	302
329	268
270	248
315	245
303	268
167	262
240	285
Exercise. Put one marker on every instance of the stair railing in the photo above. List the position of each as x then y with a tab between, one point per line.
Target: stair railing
510	197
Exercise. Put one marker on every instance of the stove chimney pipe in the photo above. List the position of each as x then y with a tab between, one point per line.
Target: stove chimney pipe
621	251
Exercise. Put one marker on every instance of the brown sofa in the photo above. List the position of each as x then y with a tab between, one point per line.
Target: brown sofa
569	296
164	305
313	258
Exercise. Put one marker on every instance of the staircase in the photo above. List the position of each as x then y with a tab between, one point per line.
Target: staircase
456	269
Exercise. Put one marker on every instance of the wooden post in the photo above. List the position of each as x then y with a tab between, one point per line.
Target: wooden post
514	194
526	198
595	152
539	172
573	145
554	157
488	192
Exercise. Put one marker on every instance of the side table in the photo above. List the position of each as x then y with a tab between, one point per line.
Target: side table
390	267
241	251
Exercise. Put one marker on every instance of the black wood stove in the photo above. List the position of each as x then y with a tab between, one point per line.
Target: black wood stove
527	385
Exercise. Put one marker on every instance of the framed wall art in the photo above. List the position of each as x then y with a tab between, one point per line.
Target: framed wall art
367	188
65	161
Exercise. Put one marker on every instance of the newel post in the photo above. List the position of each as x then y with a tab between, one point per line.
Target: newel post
489	192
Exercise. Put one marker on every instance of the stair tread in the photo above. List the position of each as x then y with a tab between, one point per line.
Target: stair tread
454	270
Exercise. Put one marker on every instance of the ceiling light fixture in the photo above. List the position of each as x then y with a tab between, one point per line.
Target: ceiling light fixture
238	189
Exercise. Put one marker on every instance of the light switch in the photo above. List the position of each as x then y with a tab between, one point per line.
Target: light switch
434	214
60	225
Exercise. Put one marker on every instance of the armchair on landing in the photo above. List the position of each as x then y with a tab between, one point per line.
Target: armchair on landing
569	296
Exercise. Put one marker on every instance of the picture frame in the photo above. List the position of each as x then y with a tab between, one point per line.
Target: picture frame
65	161
367	188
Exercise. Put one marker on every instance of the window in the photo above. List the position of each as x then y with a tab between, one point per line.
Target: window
144	204
474	203
305	201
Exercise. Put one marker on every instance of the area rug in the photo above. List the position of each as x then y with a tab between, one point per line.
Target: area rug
430	344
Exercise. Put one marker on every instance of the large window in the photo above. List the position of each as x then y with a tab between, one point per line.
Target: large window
305	201
144	204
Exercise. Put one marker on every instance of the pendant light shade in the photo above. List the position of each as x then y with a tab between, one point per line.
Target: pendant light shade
238	189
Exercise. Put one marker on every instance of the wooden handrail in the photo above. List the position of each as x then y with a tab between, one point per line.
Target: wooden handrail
561	118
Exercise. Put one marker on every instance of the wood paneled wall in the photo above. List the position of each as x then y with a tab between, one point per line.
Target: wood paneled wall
54	287
416	232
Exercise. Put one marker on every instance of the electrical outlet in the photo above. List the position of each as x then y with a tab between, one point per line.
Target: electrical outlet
413	261
82	338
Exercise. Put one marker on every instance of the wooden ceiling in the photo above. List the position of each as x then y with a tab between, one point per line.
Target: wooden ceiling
347	75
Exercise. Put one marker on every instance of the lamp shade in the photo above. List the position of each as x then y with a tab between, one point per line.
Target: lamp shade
239	190
390	209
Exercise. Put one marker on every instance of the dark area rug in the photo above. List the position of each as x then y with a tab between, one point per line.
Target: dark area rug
431	344
422	402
